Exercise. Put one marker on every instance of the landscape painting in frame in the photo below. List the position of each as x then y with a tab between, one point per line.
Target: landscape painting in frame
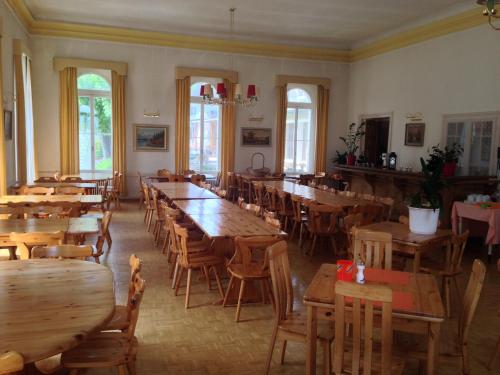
414	135
256	137
151	137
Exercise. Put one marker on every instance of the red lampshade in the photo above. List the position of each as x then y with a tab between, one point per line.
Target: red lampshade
251	92
221	90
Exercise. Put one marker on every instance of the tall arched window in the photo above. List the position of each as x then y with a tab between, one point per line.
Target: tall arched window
95	130
300	129
205	130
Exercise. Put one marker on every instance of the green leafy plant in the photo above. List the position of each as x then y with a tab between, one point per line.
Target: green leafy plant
340	158
429	195
449	154
353	137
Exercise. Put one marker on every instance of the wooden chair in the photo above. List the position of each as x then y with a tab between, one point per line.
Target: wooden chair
109	349
259	195
197	179
272	199
285	211
451	269
355	304
177	178
371	212
115	191
323	222
82	252
148	215
73	179
373	248
299	217
368	197
104	235
249	264
35	190
388	204
26	241
242	188
11	363
290	324
46	179
141	191
163	172
497	349
204	260
232	186
123	313
404	220
351	221
69	190
160	218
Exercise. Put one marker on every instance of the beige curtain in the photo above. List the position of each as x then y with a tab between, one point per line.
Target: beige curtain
21	119
68	118
322	128
3	161
280	127
228	134
119	125
183	87
35	132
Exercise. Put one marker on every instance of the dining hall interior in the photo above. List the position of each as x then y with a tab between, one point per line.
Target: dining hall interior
235	187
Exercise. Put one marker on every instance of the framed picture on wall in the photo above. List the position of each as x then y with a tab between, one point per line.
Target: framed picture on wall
150	137
255	137
7	125
414	134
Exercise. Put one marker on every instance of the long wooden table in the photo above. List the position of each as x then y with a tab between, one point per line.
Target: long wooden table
90	176
50	306
183	190
85	185
250	179
84	199
206	206
410	243
417	307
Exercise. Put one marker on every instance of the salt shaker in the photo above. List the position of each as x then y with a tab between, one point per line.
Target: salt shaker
360	275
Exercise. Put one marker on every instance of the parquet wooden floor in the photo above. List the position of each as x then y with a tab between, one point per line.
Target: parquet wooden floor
206	340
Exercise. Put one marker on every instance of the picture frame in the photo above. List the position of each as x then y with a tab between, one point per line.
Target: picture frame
256	137
7	125
151	138
415	134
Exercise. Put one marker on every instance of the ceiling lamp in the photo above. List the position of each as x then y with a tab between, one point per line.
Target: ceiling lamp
252	92
490	11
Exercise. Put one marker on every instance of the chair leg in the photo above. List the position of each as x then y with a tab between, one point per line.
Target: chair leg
334	245
240	296
178	281
207	276
108	240
188	288
271	349
447	282
122	370
327	359
217	280
495	355
294	228
131	367
231	281
465	360
301	233
283	352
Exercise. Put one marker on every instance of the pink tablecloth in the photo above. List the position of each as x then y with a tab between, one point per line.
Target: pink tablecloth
491	216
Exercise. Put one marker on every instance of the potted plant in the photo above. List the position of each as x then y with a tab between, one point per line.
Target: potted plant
352	141
340	158
449	157
427	202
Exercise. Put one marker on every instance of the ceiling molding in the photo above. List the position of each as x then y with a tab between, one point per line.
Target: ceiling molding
459	22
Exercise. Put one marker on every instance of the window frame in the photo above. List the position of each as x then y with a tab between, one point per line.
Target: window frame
468	119
91	94
199	100
311	91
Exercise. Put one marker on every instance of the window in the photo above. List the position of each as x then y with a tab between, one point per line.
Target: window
476	134
300	136
95	134
204	130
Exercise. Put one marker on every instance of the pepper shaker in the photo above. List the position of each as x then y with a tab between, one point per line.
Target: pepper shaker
360	275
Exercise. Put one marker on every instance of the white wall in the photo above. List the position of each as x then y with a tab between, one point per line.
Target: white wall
11	29
457	73
151	85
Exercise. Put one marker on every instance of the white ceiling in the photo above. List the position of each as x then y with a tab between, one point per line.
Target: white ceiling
319	23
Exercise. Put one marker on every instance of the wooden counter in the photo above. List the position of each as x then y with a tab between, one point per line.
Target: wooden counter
402	185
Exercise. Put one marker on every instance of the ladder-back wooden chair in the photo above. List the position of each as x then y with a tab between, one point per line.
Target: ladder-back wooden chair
104	235
285	211
46	179
197	179
323	223
249	264
148	215
351	221
272	198
373	248
259	195
26	241
115	190
299	217
290	323
11	363
242	188
388	204
82	252
232	186
356	304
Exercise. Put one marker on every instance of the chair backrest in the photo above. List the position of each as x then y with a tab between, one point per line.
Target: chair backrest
241	202
404	220
154	195
139	285
63	252
181	238
176	178
349	298
10	362
163	172
283	202
135	267
258	189
254	209
197	179
296	206
24	241
458	243
351	221
252	250
69	190
35	190
147	196
371	212
272	198
281	277
46	179
373	248
73	179
322	218
388	205
471	299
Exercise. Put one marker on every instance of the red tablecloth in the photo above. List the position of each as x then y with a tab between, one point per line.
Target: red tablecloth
491	216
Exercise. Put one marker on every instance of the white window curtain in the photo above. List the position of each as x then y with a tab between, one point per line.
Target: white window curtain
30	131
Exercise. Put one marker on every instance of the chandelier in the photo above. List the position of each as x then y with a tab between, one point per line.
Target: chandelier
490	11
248	98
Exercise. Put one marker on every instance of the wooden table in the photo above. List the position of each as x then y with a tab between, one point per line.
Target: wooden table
85	185
84	199
206	206
187	178
410	243
249	179
73	226
183	190
50	306
90	176
417	307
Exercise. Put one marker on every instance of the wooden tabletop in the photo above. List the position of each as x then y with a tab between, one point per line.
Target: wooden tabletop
57	198
187	177
233	224
85	185
183	190
249	177
206	206
401	233
415	295
90	176
50	305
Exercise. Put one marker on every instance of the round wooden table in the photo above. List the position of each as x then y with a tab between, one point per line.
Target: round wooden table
48	306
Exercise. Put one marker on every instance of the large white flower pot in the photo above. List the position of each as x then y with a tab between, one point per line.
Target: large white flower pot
423	220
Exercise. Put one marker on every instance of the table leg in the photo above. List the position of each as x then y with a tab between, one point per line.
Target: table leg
433	347
416	261
490	252
312	327
460	224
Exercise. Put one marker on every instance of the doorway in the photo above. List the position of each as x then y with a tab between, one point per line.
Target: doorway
376	139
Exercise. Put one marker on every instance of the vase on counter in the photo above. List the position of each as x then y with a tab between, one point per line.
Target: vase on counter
449	169
351	159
